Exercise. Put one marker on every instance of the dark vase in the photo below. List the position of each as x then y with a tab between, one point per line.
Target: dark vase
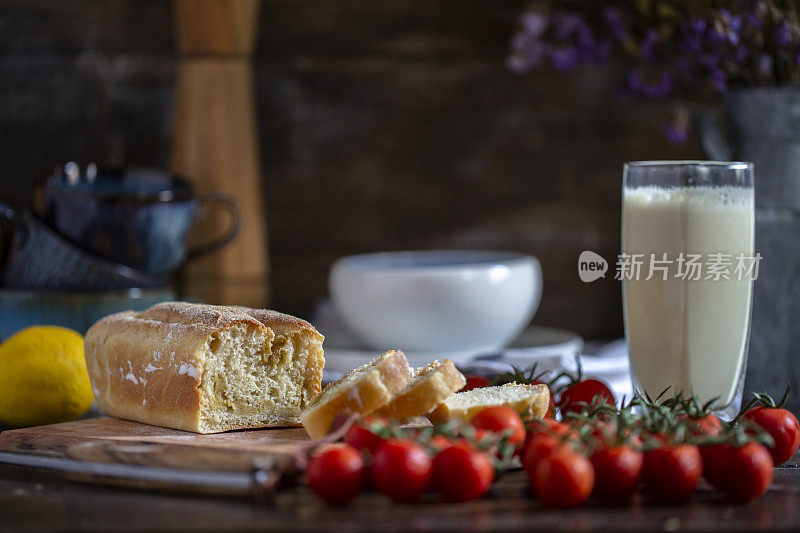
763	126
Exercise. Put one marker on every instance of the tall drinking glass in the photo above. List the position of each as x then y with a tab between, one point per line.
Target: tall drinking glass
687	267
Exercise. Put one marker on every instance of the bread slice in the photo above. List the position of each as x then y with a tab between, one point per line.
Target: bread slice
204	368
429	387
360	391
527	400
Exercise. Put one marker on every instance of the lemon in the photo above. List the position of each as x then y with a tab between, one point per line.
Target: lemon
43	378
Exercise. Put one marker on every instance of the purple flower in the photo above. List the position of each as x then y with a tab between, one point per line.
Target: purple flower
693	36
715	37
702	53
518	63
732	25
602	51
614	23
783	35
533	24
567	24
718	79
564	59
740	55
677	133
751	20
710	59
677	129
648	44
658	88
574	44
698	25
662	87
528	51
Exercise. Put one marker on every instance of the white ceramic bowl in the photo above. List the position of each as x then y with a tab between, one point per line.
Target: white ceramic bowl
448	301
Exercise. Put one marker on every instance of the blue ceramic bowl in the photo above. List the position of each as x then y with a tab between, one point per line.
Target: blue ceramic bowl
139	218
76	310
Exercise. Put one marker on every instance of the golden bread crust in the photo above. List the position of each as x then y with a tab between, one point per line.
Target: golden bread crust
147	366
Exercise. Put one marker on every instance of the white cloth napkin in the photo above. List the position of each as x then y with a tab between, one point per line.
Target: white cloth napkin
606	361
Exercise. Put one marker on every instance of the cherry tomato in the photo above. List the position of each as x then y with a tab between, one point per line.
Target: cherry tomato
707	425
401	469
671	473
541	447
617	472
336	473
500	418
713	463
581	394
742	473
475	381
440	443
564	480
604	432
782	425
361	438
546	426
461	473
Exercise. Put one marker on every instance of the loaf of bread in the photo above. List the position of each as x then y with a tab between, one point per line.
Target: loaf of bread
204	368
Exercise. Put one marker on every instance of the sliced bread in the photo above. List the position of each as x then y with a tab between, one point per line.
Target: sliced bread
360	391
429	387
527	400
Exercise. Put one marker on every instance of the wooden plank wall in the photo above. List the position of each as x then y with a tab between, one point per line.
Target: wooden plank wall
384	125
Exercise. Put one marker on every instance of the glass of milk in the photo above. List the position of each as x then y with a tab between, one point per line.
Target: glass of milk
687	267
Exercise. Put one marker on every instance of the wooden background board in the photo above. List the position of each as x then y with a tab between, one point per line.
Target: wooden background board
382	125
122	441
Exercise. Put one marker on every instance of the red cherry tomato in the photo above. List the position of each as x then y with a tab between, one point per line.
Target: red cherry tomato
604	431
617	472
440	443
707	425
541	447
671	473
713	464
361	438
475	381
546	426
782	425
461	473
501	418
564	480
742	473
401	470
336	473
581	394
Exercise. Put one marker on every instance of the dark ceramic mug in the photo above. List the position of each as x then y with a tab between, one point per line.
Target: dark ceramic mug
39	258
139	218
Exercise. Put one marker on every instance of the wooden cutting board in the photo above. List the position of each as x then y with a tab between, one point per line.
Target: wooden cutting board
120	441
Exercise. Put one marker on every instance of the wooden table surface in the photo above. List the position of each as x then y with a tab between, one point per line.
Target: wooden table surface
35	499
